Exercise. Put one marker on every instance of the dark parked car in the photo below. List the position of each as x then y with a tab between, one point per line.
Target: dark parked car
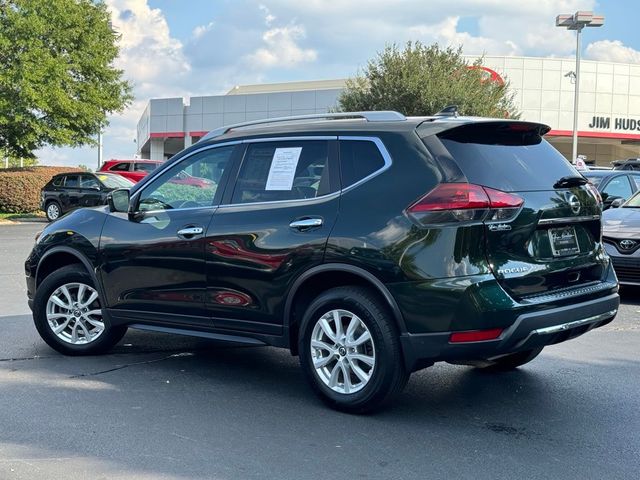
371	247
628	164
621	236
614	185
68	191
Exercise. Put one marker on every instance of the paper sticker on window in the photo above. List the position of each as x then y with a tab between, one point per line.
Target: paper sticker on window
283	168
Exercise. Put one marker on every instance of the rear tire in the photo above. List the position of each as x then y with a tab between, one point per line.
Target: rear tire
356	367
512	361
67	312
53	210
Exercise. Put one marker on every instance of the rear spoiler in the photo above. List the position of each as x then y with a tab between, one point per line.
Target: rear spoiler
466	129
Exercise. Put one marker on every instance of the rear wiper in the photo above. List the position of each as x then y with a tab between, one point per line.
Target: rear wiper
568	182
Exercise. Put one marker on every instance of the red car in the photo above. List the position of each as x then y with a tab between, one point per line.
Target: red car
136	170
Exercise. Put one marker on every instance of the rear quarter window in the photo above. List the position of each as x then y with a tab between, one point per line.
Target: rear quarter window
358	160
507	161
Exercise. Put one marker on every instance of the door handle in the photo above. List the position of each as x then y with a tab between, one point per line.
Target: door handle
189	233
306	223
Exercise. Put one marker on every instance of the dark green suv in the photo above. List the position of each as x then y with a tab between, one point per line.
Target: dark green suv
369	244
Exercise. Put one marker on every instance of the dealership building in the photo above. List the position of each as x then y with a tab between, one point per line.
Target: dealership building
608	117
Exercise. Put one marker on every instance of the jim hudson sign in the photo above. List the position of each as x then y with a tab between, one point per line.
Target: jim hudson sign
618	123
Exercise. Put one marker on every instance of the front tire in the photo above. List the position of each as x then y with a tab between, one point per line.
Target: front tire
67	313
350	350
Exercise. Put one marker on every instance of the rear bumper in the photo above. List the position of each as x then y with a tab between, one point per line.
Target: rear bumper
529	331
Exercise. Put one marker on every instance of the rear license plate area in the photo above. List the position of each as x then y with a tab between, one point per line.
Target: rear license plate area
563	241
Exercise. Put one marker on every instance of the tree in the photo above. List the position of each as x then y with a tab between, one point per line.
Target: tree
421	80
57	79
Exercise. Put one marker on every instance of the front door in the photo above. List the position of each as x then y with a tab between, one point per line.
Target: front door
153	260
272	226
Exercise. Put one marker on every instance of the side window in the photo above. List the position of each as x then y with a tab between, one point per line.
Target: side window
358	159
144	167
636	179
287	170
57	182
618	187
87	181
192	182
120	167
71	181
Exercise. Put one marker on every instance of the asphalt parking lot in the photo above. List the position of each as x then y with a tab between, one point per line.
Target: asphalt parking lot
166	407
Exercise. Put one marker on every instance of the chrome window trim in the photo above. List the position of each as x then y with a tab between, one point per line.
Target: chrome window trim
381	148
160	170
379	144
553	221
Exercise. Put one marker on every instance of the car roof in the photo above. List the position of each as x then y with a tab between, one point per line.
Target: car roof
429	125
604	173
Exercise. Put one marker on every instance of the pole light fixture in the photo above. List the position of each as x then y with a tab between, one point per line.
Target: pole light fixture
577	22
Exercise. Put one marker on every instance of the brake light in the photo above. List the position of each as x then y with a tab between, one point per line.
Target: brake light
475	336
465	202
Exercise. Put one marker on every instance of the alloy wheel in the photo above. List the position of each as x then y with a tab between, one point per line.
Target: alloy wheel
342	351
74	314
53	211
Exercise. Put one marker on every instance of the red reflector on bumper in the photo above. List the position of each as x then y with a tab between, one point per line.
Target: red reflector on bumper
475	335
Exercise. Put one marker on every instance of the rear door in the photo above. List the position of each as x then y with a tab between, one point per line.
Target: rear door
274	226
90	191
553	241
70	194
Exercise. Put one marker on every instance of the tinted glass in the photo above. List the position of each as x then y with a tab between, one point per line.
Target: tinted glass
145	167
191	183
358	159
593	179
290	170
617	187
57	182
114	181
636	179
88	181
120	167
507	161
71	181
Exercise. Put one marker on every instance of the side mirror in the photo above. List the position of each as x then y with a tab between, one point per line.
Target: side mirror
617	202
118	200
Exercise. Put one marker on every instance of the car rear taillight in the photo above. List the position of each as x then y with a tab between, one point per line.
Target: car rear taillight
465	202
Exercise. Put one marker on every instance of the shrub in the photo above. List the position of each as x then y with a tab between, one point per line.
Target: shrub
20	187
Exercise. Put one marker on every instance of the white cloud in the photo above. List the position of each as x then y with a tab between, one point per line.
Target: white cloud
281	49
612	51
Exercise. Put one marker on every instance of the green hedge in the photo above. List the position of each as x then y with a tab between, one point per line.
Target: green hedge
20	187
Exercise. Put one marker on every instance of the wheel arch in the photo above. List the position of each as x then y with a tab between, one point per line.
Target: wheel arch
318	279
61	256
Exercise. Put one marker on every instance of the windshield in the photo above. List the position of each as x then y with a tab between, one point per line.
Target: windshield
114	181
633	202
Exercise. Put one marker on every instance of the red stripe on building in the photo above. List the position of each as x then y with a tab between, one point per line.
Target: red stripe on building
167	135
198	134
617	136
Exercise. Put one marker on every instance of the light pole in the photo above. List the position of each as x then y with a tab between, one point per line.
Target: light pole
577	22
99	150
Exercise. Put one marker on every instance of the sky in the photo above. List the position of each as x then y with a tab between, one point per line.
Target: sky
181	48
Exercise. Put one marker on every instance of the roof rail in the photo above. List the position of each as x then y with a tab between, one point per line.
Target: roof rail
379	116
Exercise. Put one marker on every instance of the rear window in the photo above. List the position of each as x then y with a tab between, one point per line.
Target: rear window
120	167
145	167
358	160
506	160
